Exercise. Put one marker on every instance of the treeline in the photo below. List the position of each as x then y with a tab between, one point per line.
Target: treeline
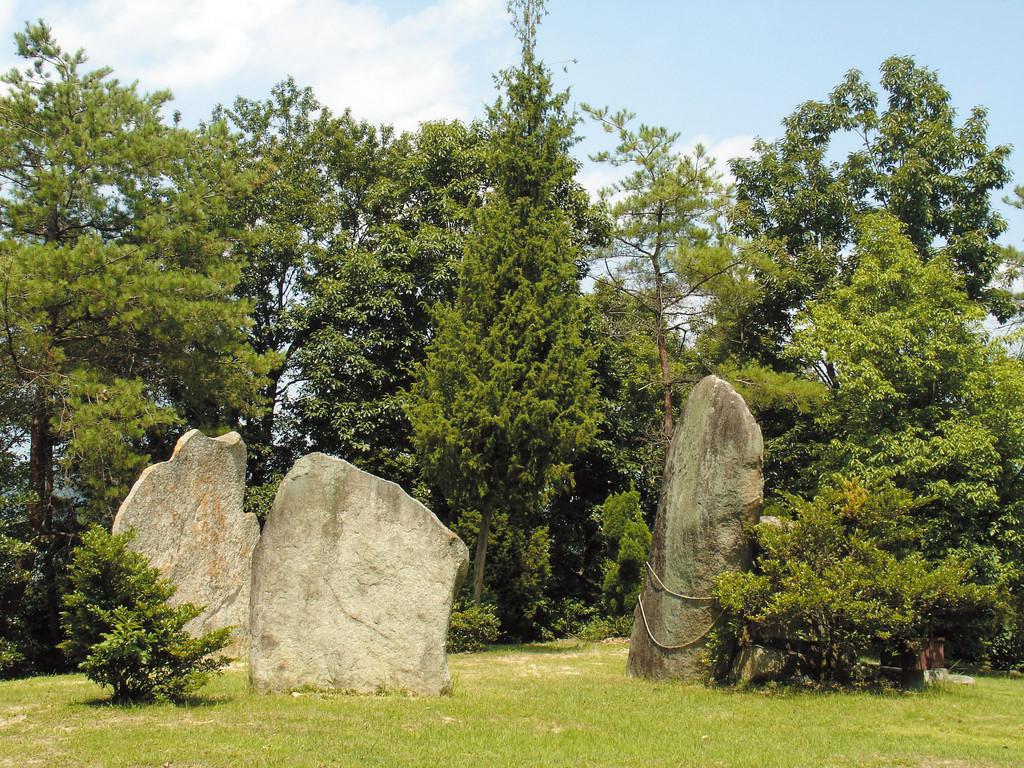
412	302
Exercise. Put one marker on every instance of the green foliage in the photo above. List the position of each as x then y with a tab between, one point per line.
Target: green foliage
405	205
14	575
114	273
259	499
628	542
918	395
518	575
668	253
473	626
350	235
605	627
912	160
121	630
627	449
505	399
843	574
118	322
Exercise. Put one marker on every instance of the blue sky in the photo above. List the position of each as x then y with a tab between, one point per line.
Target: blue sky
716	72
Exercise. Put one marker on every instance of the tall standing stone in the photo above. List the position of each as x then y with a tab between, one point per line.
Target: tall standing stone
188	520
353	584
712	489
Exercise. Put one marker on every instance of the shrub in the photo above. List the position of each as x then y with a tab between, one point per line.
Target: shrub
570	618
259	499
604	627
844	573
121	630
472	627
628	540
13	579
1007	648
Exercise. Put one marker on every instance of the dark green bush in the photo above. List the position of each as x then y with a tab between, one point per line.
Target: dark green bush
518	574
122	632
570	617
628	541
843	575
13	579
472	627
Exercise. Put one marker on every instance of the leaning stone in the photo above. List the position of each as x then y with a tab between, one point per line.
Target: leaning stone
711	494
960	679
758	664
188	520
353	584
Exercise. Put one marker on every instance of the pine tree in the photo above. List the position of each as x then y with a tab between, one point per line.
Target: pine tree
117	322
505	399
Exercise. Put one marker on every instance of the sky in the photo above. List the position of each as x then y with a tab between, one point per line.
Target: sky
719	72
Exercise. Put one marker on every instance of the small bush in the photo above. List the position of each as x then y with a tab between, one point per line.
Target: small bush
121	630
570	618
1007	650
259	499
628	541
605	627
472	627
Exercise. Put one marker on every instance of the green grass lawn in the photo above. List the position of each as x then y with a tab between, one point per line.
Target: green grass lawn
558	704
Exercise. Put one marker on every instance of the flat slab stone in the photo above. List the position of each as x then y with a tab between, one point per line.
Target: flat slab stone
188	520
353	584
711	489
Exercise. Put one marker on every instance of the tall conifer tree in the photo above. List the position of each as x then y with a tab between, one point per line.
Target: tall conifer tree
505	399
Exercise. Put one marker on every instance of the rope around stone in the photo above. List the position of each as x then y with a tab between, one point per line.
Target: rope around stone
687	644
666	590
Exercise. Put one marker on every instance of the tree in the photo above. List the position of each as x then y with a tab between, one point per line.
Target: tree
918	395
117	320
911	159
13	578
404	207
284	224
627	451
504	399
666	253
122	631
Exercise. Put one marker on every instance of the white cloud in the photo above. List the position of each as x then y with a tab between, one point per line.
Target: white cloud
723	150
396	69
596	176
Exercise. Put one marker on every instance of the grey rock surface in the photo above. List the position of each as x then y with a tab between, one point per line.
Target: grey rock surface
711	490
188	520
353	584
758	664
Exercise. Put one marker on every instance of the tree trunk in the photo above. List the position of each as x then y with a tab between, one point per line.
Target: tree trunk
41	522
40	465
666	384
481	556
660	333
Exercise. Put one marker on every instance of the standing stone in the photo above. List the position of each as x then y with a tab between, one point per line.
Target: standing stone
353	584
711	490
188	520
